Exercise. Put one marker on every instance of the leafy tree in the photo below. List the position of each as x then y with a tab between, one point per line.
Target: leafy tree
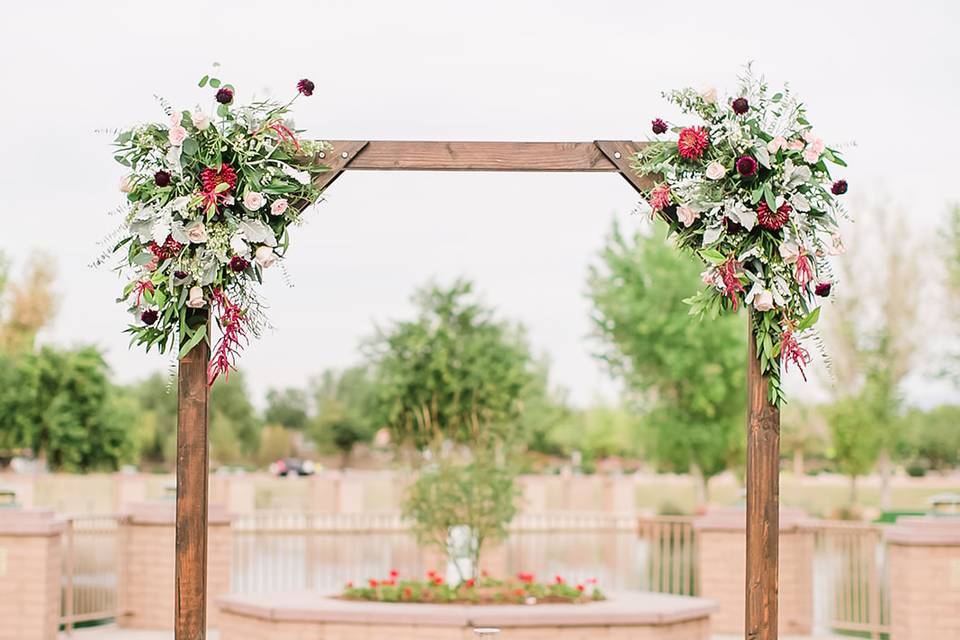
599	432
155	427
288	408
545	412
63	408
234	424
454	373
476	501
688	376
345	411
803	432
932	437
25	306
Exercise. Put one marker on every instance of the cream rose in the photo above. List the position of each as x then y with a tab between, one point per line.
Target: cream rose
763	301
177	135
195	299
686	215
279	206
779	142
709	95
715	170
126	184
253	200
197	233
200	120
789	251
265	256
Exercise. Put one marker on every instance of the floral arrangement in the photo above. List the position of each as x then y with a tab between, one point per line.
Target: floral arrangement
750	192
209	200
524	589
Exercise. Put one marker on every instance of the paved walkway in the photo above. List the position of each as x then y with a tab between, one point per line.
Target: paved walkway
111	632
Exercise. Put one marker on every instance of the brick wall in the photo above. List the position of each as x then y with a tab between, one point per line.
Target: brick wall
30	556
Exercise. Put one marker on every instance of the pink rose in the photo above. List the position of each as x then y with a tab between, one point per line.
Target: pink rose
195	299
779	142
253	200
686	215
177	135
763	301
265	256
795	145
197	233
175	118
815	147
126	184
278	206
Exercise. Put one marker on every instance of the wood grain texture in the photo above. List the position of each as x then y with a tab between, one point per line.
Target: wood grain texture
190	615
763	502
622	153
343	153
398	155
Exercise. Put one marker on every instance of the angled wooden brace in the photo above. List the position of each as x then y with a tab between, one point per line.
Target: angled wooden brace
622	153
343	153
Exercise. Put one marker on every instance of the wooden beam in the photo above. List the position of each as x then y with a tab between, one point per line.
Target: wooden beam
190	619
342	154
621	154
763	502
395	155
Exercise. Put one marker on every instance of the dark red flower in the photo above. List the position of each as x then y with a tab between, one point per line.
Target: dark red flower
823	289
471	582
659	126
581	588
693	142
839	188
168	249
212	177
740	106
225	95
747	166
791	351
180	274
306	87
730	277
149	316
161	178
239	264
373	583
773	220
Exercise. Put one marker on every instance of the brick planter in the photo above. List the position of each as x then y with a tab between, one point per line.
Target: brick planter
29	574
625	616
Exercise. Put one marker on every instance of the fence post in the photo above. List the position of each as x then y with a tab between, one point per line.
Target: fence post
68	595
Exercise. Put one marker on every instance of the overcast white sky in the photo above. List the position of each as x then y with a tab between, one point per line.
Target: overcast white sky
883	74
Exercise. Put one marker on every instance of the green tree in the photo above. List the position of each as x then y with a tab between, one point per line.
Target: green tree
454	373
346	407
234	424
155	428
288	408
65	410
688	376
932	438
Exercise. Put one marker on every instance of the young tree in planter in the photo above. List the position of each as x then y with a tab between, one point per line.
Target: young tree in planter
687	375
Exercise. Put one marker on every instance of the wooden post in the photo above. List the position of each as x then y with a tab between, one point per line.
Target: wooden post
190	618
763	502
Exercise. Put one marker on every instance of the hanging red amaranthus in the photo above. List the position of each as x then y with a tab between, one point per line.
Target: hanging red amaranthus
729	272
232	320
803	270
791	351
141	287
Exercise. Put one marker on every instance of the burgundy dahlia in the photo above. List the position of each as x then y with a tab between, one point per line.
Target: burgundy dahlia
225	95
822	289
306	87
149	316
161	178
239	264
740	106
747	166
212	177
659	126
693	141
839	188
773	220
180	275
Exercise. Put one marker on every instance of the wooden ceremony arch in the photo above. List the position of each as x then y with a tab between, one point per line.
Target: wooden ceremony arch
763	419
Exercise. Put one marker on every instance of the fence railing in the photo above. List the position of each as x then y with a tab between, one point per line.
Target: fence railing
670	555
851	588
90	570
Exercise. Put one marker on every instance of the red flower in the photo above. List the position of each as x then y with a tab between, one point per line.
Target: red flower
239	264
149	316
693	142
519	592
822	289
660	197
168	249
350	584
746	166
305	87
431	573
770	220
471	582
225	95
558	579
526	578
839	188
581	588
731	282
407	592
212	177
394	573
740	106
161	178
791	351
658	126
437	580
373	583
232	321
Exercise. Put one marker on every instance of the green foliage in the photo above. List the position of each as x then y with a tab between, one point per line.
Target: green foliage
60	404
688	376
931	439
345	405
455	372
484	590
480	495
288	408
599	432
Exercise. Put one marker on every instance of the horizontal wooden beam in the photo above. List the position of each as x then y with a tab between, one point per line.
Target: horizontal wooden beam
396	155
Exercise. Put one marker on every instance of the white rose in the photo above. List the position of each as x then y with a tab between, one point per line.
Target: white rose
195	299
253	200
715	170
200	120
709	95
278	206
789	251
686	215
197	233
265	256
763	301
126	184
